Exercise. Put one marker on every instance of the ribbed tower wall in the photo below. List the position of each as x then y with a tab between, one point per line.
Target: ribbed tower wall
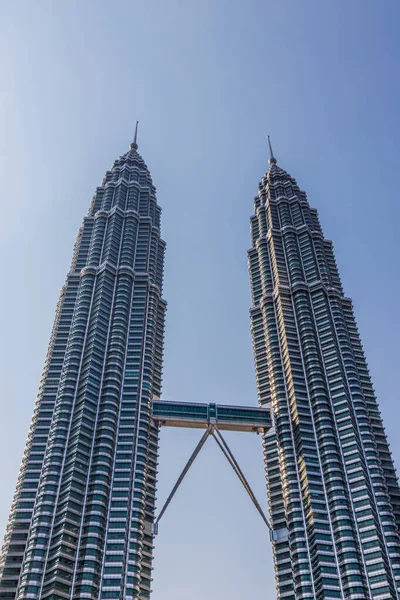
332	489
80	524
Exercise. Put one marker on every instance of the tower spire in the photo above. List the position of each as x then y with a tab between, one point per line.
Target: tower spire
272	159
134	145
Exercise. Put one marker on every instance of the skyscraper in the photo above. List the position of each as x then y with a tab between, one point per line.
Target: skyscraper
333	493
80	523
82	515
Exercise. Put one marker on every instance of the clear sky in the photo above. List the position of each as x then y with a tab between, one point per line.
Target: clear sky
207	81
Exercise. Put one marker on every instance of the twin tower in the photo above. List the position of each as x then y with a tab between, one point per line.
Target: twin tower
82	521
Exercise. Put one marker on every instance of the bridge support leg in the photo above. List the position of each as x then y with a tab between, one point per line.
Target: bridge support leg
223	446
226	451
189	463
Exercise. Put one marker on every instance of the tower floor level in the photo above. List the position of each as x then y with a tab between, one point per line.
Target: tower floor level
330	476
80	523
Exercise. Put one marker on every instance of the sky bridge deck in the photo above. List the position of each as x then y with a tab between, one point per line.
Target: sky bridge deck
200	416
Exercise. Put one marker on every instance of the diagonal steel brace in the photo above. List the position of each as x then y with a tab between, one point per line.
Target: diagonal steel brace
223	446
189	463
217	435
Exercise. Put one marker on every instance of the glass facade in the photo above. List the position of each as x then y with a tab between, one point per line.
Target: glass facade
80	523
332	489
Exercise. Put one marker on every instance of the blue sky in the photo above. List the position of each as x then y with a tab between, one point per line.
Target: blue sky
207	81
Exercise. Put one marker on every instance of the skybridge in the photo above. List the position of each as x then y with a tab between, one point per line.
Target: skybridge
199	416
214	418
